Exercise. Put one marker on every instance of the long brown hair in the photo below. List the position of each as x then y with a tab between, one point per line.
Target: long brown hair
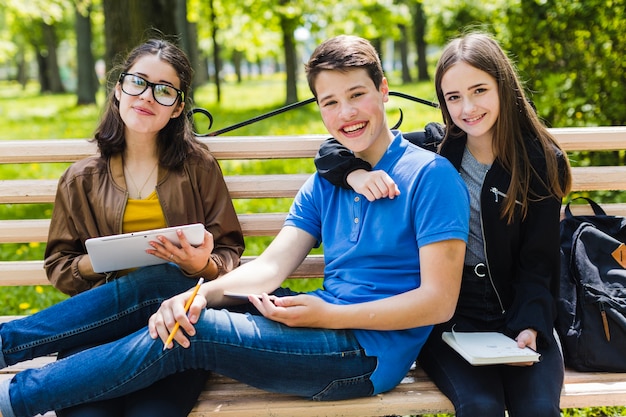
516	123
176	140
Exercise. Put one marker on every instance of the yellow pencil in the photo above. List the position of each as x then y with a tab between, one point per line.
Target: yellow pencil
187	305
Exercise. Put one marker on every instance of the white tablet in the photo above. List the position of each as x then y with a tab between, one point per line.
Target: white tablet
244	296
128	250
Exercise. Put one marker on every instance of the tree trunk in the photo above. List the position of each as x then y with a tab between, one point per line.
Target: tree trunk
22	68
127	23
42	65
87	83
52	72
216	53
182	28
237	59
288	26
403	45
120	37
201	72
419	28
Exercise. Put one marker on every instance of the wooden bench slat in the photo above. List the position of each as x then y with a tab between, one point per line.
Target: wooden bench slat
27	191
239	186
265	186
49	150
598	178
36	230
416	394
264	147
243	147
261	224
25	230
601	138
287	185
14	273
222	147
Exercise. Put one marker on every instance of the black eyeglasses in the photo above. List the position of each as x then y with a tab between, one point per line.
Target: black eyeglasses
164	94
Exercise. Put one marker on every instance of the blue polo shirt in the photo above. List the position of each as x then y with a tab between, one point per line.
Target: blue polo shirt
371	249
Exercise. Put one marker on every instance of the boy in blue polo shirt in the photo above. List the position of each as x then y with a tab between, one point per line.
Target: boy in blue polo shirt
393	269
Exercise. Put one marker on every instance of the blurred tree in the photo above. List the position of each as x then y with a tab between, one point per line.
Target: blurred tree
572	53
403	45
450	18
41	24
217	65
290	18
44	40
419	34
87	80
127	23
569	52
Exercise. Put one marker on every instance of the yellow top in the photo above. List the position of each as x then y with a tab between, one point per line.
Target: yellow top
145	214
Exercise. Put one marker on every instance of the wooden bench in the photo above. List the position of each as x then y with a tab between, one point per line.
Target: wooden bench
416	394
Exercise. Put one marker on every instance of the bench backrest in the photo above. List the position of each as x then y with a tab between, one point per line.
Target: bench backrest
282	185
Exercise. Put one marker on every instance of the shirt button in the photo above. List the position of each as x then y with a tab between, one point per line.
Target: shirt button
356	220
356	199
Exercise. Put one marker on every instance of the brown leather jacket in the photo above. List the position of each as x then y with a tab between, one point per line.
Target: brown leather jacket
91	199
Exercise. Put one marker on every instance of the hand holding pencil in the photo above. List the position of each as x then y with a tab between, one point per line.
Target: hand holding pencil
187	306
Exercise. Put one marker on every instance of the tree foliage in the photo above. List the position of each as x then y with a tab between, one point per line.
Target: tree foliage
569	52
572	52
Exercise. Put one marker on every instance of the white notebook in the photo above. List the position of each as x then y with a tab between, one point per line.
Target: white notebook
128	250
488	348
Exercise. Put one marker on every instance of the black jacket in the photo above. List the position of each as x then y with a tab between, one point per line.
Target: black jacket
523	257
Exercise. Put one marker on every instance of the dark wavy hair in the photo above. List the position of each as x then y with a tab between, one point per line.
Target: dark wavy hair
176	140
517	121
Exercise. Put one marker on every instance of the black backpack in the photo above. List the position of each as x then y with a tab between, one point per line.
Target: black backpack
591	320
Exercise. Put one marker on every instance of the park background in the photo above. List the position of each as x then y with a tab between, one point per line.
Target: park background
55	57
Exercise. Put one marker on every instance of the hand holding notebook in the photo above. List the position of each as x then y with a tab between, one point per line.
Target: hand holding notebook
488	348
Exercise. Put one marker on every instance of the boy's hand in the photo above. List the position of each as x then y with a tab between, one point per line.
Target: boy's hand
301	310
172	311
373	184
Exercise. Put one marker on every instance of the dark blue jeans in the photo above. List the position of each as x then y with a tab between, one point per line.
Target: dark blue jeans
174	396
320	364
129	302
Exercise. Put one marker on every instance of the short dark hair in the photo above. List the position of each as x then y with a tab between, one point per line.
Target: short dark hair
344	53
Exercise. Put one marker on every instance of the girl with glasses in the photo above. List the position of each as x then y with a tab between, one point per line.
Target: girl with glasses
151	172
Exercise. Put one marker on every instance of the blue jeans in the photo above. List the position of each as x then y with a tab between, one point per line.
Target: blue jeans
314	363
